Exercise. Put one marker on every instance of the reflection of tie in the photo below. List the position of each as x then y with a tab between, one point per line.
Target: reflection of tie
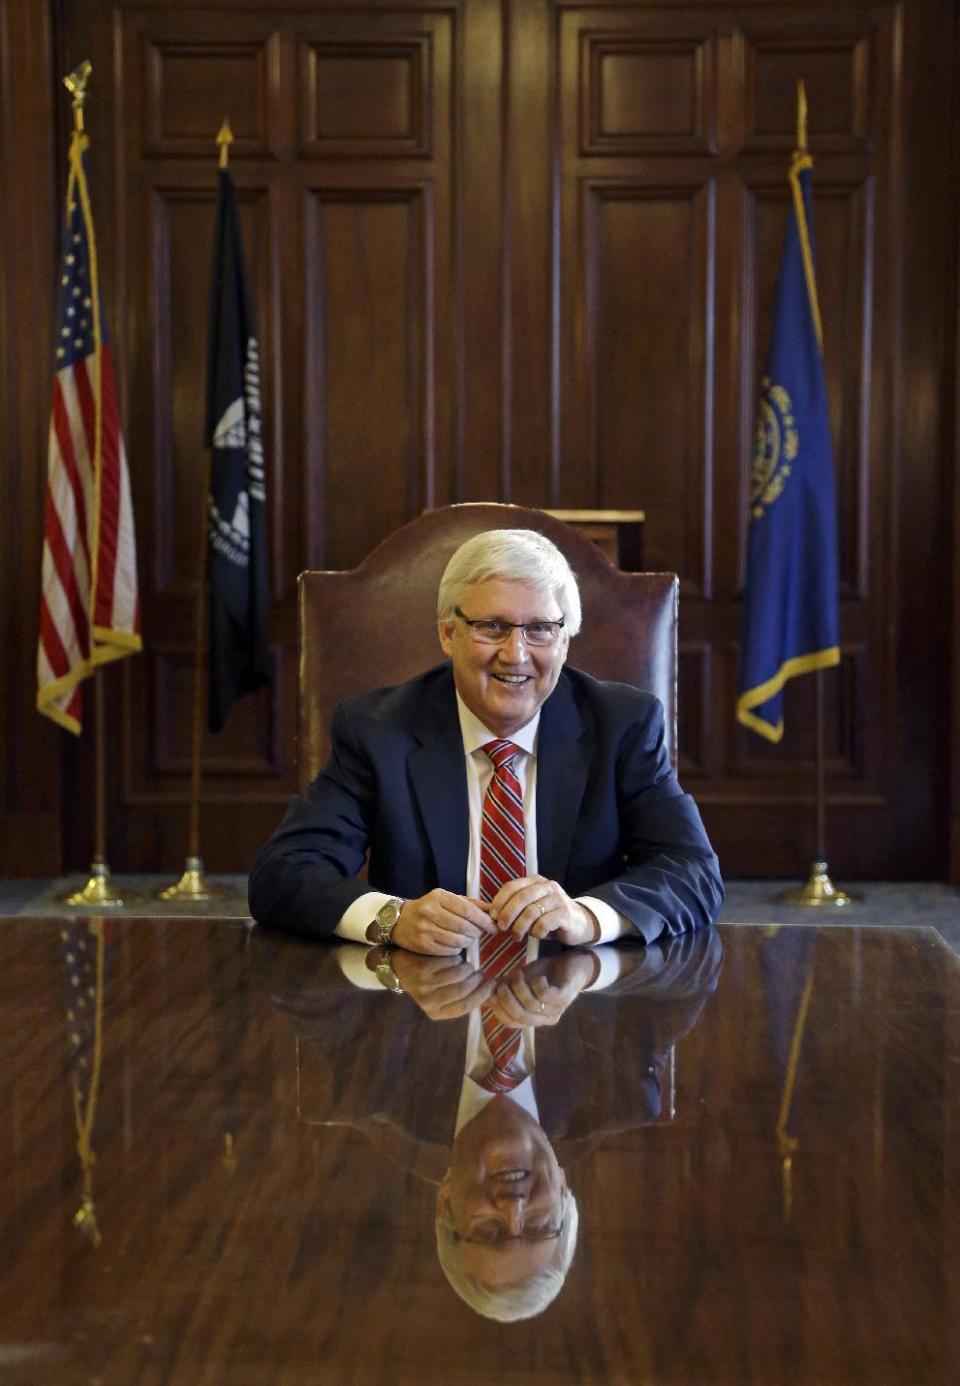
502	859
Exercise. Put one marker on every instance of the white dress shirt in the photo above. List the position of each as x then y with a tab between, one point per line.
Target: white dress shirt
356	919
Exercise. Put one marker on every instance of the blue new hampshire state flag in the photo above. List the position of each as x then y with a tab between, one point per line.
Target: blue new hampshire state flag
790	600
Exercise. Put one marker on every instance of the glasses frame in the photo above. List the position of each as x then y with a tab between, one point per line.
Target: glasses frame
522	626
551	1236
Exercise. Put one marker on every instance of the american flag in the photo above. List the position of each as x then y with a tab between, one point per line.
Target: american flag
89	604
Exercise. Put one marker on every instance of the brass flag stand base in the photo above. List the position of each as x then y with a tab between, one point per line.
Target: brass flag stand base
192	885
819	891
99	891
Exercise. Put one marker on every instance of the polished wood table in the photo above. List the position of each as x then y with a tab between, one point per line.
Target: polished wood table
219	1162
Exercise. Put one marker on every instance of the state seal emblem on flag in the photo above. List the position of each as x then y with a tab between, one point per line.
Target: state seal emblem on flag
776	447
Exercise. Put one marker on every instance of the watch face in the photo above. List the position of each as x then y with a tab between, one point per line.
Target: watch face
387	976
387	916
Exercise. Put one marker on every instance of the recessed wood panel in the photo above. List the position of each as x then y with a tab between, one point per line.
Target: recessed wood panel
646	96
368	99
191	85
369	328
248	746
694	698
648	249
835	70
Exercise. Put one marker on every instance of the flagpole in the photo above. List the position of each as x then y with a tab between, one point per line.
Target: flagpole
193	884
819	776
99	890
818	890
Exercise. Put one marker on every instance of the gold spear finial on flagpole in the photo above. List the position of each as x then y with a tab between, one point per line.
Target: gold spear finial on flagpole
76	84
225	140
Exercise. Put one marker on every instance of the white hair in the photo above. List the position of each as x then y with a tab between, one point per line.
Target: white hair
513	555
525	1298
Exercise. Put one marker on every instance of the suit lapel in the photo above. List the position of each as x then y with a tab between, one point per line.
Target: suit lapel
439	778
563	763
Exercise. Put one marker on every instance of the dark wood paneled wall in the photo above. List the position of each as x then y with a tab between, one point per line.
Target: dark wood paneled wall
31	783
521	251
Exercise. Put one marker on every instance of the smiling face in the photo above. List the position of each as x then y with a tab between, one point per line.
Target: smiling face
503	1192
504	685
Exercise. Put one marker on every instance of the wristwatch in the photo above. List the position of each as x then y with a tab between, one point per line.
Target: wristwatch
386	919
386	975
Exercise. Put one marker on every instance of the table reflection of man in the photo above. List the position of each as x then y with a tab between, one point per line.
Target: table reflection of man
501	791
507	1221
506	1218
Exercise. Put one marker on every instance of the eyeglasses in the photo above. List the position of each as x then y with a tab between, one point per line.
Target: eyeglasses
499	1236
536	633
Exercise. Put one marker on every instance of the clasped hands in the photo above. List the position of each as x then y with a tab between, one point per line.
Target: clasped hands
446	988
444	923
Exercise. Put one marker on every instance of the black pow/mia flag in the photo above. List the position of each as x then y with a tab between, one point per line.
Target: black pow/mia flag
237	558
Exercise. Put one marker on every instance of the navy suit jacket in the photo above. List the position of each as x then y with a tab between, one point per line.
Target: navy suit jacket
612	821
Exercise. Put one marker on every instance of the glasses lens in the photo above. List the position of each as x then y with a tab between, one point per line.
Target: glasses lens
541	633
490	632
542	1234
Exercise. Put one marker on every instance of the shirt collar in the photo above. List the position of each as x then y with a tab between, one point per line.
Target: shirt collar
473	1099
475	734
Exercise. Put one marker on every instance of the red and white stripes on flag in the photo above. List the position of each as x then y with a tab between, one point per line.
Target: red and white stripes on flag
89	603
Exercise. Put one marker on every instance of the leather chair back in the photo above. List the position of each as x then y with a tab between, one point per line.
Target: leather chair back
377	624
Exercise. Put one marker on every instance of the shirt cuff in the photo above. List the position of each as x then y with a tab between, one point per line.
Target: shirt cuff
357	918
611	923
610	960
353	965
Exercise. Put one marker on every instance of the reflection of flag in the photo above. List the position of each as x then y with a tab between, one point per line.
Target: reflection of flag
787	958
239	641
787	961
89	606
790	601
84	954
82	943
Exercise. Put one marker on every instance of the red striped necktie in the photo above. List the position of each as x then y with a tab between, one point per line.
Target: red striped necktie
502	858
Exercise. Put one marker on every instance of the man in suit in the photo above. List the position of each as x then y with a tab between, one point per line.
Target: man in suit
610	846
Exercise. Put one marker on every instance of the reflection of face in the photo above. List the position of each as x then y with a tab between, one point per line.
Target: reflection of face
504	685
504	1181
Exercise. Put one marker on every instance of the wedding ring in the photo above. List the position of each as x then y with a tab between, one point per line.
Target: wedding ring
542	1007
